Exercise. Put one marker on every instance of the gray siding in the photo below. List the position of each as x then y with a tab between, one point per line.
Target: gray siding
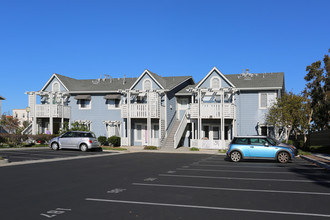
139	85
207	83
98	113
249	113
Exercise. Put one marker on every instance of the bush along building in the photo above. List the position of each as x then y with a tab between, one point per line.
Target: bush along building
166	112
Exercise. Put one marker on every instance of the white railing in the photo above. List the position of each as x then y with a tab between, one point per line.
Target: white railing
209	144
140	110
179	132
212	110
124	141
56	111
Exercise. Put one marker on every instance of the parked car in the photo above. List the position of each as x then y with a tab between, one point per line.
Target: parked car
75	140
259	147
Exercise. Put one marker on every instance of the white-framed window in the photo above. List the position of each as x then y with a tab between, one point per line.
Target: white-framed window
215	82
138	132
183	103
155	131
266	100
147	85
56	87
85	104
113	103
113	130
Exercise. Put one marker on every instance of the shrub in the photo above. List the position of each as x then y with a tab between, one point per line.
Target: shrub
194	149
150	148
102	140
42	138
114	141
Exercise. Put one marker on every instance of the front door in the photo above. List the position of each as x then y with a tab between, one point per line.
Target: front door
144	135
259	149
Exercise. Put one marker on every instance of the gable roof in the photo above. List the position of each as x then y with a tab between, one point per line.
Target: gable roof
249	81
212	70
58	78
167	83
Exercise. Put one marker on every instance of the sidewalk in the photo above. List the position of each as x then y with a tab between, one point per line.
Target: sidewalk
183	150
322	160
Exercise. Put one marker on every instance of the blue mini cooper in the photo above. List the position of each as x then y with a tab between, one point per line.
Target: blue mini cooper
259	147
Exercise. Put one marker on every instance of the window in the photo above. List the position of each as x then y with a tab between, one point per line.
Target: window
183	103
147	84
241	141
113	103
84	104
56	87
266	100
155	132
138	129
215	82
113	130
216	133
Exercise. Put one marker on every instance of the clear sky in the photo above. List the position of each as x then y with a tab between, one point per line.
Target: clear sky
83	39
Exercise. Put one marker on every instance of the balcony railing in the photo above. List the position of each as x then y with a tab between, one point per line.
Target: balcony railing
55	111
140	110
212	110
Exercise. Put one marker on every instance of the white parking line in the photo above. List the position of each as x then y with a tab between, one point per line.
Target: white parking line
259	167
233	189
242	171
249	179
207	207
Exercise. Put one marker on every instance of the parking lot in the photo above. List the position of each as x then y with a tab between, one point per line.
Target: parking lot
18	155
172	186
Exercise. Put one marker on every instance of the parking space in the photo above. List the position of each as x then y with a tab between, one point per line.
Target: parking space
18	155
166	186
217	188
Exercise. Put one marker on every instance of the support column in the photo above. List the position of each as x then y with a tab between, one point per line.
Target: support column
222	120
148	119
128	119
34	113
51	113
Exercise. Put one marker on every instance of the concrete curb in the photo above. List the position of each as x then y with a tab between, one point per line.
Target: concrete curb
3	161
319	163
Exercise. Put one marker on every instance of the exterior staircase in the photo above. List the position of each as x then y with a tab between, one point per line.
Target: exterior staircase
168	143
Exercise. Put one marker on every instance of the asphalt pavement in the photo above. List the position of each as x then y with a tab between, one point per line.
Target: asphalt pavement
150	185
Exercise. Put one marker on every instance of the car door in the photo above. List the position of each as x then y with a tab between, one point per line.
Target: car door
259	147
66	140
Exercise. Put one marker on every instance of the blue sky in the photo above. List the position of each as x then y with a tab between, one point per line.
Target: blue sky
84	39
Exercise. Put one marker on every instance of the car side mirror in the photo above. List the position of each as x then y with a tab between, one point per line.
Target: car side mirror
266	144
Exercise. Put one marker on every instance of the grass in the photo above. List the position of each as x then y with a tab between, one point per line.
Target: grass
194	149
301	152
320	149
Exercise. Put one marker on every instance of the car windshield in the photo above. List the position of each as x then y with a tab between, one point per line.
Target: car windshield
273	141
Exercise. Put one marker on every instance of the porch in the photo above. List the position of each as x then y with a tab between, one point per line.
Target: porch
54	111
212	110
137	110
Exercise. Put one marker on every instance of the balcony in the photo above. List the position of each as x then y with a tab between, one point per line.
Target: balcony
140	110
55	111
212	110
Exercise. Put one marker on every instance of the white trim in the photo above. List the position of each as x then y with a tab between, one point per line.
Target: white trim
211	82
144	81
261	88
53	85
51	78
267	102
146	72
110	107
218	71
89	106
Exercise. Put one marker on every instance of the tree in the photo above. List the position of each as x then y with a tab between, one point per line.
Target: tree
289	112
76	126
10	123
318	90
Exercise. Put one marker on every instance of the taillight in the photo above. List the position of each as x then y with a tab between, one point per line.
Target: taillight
90	141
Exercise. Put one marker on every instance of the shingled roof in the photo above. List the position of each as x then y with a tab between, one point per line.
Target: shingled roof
249	81
114	84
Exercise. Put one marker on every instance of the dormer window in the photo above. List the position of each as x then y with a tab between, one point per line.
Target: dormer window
215	83
147	85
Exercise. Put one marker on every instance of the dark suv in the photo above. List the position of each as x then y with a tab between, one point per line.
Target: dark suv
75	140
259	147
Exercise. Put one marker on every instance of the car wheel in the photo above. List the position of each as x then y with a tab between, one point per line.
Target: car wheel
235	156
283	157
54	146
83	147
